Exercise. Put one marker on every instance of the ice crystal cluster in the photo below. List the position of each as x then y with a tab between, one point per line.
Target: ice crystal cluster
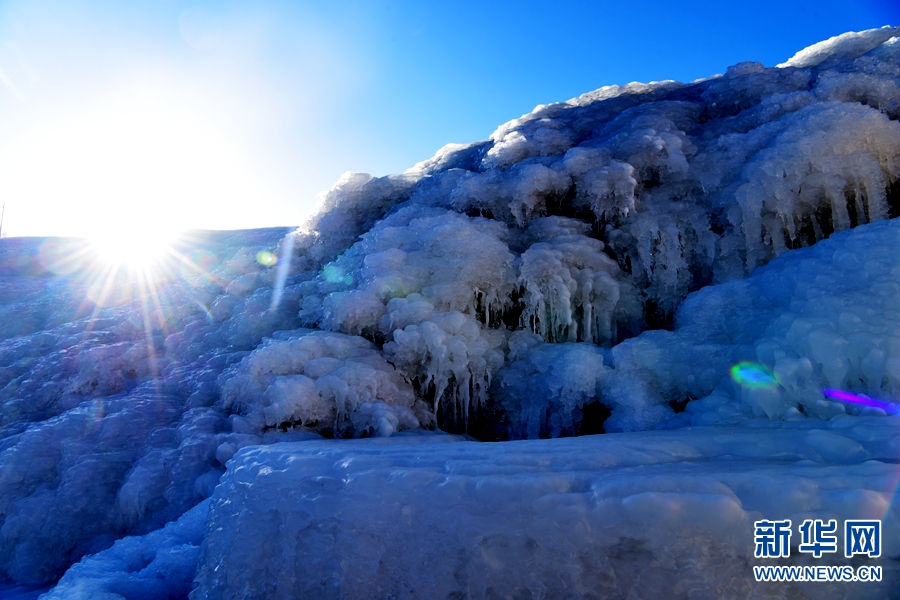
597	265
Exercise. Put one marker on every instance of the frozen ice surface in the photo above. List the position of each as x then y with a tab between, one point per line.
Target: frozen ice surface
639	515
597	265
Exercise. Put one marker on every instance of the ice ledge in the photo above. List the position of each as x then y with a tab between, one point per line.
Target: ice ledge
649	514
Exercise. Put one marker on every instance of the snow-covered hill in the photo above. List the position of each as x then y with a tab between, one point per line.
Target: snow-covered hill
706	259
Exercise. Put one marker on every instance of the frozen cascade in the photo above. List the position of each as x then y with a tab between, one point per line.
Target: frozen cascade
597	265
515	196
831	159
575	292
683	186
607	185
451	357
545	386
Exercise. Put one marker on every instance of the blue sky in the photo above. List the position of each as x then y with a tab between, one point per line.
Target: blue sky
162	113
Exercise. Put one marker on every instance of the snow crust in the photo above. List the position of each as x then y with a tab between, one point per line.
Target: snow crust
597	265
842	47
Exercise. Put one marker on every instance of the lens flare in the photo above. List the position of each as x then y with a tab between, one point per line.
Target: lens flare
888	407
335	274
754	376
266	258
209	316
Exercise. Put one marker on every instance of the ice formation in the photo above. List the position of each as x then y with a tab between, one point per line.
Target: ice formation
575	292
597	265
545	387
819	317
159	565
649	515
324	381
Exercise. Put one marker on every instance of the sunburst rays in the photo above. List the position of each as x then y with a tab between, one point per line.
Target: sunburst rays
149	282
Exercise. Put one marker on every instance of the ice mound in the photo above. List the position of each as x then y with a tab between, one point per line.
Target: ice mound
347	211
327	382
425	281
645	515
820	317
456	262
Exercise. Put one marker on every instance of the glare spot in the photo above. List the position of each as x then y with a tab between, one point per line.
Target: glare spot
266	258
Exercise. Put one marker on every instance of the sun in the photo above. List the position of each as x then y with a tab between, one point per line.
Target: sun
142	248
126	262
